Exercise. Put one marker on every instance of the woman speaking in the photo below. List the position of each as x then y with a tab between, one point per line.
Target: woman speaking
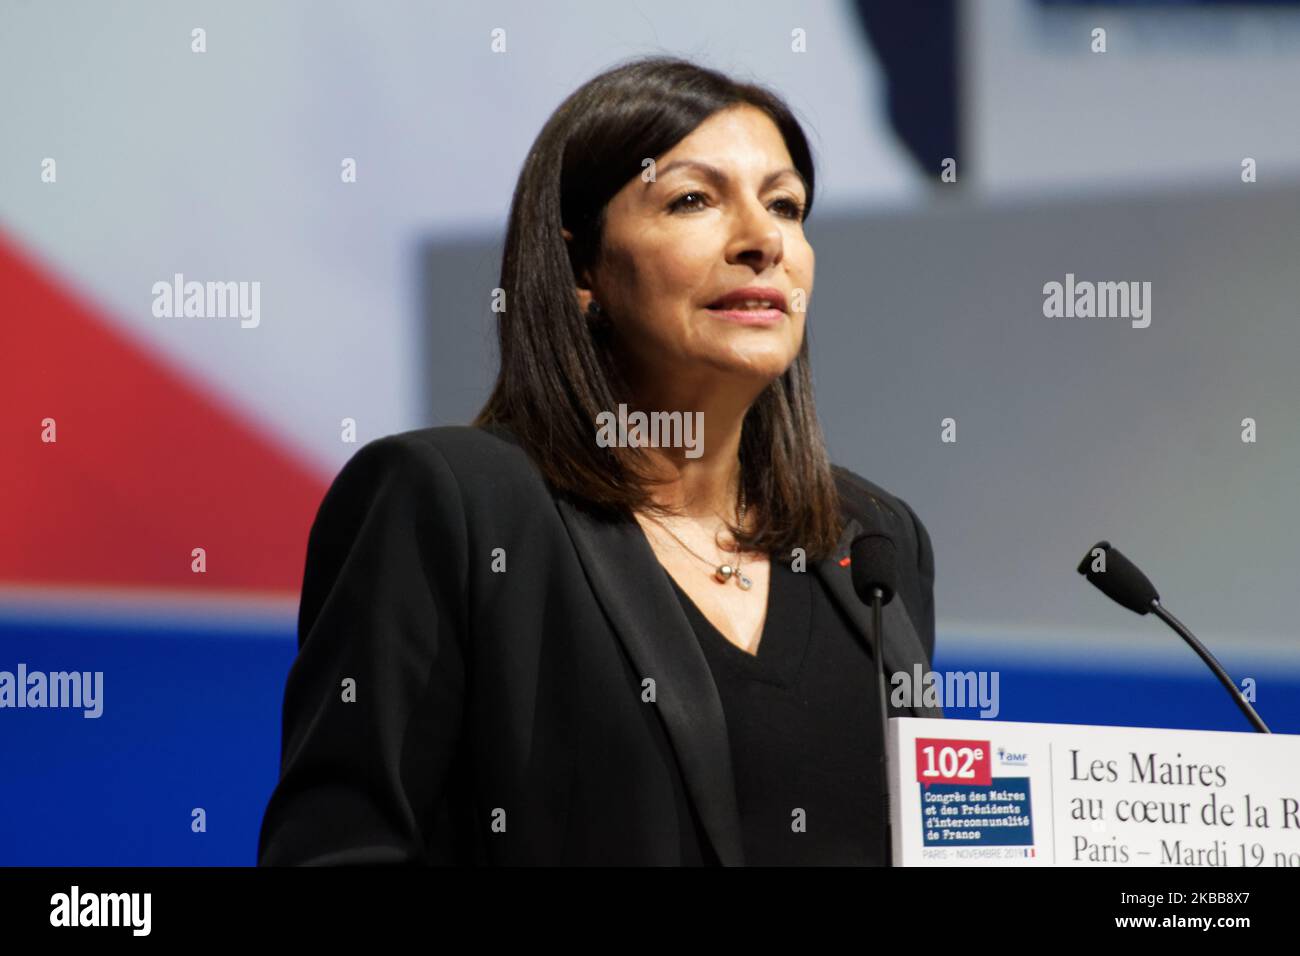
612	621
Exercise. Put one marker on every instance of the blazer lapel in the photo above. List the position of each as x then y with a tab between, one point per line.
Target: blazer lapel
631	586
903	650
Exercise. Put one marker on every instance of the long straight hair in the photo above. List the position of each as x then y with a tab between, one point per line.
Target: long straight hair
558	368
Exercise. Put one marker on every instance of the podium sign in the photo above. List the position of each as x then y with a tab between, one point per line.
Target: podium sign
997	793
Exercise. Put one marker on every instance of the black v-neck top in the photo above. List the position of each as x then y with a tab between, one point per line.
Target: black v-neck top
804	724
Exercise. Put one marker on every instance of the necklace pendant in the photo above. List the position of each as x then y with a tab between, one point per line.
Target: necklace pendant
724	572
743	581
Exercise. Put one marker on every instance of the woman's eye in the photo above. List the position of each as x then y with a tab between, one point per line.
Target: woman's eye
793	208
680	200
796	208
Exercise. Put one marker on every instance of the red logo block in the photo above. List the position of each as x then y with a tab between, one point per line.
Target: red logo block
965	762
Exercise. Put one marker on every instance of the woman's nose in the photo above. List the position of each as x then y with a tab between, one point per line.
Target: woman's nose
756	238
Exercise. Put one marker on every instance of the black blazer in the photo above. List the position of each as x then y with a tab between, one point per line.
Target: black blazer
502	718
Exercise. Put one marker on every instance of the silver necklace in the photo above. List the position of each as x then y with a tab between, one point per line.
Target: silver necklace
722	573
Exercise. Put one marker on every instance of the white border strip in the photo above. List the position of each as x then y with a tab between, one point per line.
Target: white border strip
1129	649
151	607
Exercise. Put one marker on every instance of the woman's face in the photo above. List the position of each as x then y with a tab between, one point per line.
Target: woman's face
723	213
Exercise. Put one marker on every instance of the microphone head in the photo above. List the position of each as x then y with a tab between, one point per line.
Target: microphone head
1121	581
875	565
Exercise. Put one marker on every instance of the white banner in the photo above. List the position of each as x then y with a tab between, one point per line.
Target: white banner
996	793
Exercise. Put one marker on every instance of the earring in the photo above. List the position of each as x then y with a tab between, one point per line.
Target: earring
594	312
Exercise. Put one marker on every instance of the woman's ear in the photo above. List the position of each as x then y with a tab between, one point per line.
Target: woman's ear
583	287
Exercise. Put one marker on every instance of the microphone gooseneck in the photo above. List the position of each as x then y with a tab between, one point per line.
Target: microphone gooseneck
1121	581
874	565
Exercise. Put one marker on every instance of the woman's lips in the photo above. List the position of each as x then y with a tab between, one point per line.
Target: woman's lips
748	316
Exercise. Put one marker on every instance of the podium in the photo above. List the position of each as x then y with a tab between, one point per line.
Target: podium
999	793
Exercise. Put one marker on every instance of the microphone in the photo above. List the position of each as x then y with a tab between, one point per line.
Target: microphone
874	563
1120	580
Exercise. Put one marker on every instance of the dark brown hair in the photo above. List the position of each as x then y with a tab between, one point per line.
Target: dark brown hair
558	370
